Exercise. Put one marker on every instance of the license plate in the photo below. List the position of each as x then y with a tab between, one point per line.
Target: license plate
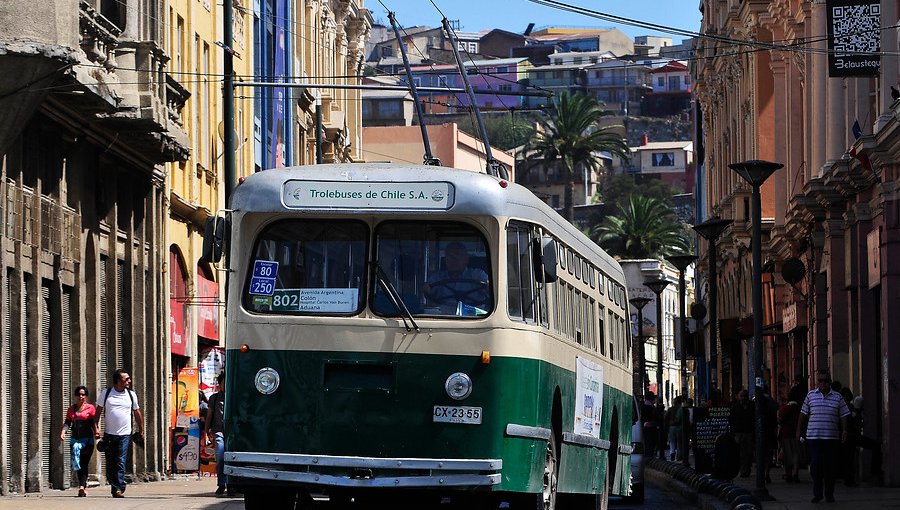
457	414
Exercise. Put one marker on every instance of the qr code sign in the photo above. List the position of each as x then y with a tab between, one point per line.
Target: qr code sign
856	28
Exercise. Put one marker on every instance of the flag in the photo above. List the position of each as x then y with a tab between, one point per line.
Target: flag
862	158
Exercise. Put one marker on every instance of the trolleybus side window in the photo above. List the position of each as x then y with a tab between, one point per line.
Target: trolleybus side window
601	331
437	268
527	292
308	267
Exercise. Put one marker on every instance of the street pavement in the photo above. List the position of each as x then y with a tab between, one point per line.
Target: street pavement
797	496
183	492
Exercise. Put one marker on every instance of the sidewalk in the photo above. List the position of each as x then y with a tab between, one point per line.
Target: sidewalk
797	496
183	492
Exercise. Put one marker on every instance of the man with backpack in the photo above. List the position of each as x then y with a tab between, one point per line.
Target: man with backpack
117	404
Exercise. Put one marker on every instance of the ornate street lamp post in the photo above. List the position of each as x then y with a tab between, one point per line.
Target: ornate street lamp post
639	303
657	287
755	172
681	262
710	230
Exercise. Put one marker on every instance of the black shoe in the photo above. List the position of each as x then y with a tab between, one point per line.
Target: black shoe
829	499
816	499
230	493
220	491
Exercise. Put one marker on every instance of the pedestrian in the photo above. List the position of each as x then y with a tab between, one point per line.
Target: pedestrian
81	419
770	430
788	416
215	431
674	416
742	426
650	425
117	405
864	441
823	425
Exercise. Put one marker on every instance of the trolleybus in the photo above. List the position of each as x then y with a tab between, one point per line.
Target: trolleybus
417	331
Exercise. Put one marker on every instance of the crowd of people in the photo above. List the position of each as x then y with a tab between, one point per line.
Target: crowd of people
820	428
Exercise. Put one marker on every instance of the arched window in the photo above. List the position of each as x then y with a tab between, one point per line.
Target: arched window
179	311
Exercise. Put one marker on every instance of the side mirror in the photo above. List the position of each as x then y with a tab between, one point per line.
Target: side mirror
548	259
213	239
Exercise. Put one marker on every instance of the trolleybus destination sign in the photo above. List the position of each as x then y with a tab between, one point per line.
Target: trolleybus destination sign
368	195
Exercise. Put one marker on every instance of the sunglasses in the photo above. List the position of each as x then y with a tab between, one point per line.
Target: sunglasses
81	394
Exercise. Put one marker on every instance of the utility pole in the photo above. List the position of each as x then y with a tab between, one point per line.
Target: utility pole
228	100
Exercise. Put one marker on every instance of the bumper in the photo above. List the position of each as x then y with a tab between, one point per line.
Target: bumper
362	472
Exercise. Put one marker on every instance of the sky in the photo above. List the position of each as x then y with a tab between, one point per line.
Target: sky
515	15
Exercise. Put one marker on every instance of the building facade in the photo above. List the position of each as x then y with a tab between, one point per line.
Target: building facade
831	233
90	120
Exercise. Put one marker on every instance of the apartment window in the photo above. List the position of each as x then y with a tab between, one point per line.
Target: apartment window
506	87
577	60
593	60
663	159
473	47
557	75
503	69
661	81
442	81
557	61
207	138
179	47
461	46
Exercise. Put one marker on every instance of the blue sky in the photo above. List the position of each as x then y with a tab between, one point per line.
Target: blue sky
515	15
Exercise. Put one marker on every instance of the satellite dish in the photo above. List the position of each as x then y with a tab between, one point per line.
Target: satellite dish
698	311
793	271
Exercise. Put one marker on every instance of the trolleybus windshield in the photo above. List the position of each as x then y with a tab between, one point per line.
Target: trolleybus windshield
308	267
438	268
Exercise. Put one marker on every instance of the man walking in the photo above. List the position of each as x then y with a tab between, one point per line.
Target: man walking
823	416
117	404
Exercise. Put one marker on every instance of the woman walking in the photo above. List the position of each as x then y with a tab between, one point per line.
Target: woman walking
81	418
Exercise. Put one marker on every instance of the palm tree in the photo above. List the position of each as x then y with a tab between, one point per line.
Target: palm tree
645	228
573	135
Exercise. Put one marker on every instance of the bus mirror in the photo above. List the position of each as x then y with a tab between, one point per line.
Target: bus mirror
548	260
213	239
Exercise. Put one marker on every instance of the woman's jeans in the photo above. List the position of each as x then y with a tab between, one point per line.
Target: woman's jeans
116	457
220	460
82	449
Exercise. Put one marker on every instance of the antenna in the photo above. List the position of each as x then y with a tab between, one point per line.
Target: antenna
429	158
494	167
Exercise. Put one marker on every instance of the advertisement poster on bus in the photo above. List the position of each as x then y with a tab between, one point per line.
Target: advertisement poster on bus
588	397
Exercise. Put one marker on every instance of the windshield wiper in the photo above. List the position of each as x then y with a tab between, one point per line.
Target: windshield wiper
395	298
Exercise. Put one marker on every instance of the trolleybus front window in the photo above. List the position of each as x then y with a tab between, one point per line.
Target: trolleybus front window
438	269
308	267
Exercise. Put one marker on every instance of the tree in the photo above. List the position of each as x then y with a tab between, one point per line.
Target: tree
616	190
504	132
573	135
644	228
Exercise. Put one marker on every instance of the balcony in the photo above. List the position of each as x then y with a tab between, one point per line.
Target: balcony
45	224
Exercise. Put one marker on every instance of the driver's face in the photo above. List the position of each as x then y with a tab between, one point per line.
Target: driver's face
457	260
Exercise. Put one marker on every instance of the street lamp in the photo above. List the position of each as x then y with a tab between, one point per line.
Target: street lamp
755	172
710	230
682	262
639	303
657	286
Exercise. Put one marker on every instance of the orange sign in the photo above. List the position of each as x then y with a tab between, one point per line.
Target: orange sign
186	397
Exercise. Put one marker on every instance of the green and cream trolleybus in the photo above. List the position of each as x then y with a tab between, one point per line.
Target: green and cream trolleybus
417	331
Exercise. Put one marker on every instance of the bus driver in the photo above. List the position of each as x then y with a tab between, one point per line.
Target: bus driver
458	284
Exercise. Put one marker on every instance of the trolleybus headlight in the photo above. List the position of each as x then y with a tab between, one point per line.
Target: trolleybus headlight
267	380
458	386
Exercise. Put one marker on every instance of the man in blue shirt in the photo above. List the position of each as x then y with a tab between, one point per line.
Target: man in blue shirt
823	424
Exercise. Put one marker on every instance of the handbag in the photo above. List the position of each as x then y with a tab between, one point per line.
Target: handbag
101	445
138	439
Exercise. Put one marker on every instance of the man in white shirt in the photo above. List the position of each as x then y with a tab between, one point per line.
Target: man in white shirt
116	405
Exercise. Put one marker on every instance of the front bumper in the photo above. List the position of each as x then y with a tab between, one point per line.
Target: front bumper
362	472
